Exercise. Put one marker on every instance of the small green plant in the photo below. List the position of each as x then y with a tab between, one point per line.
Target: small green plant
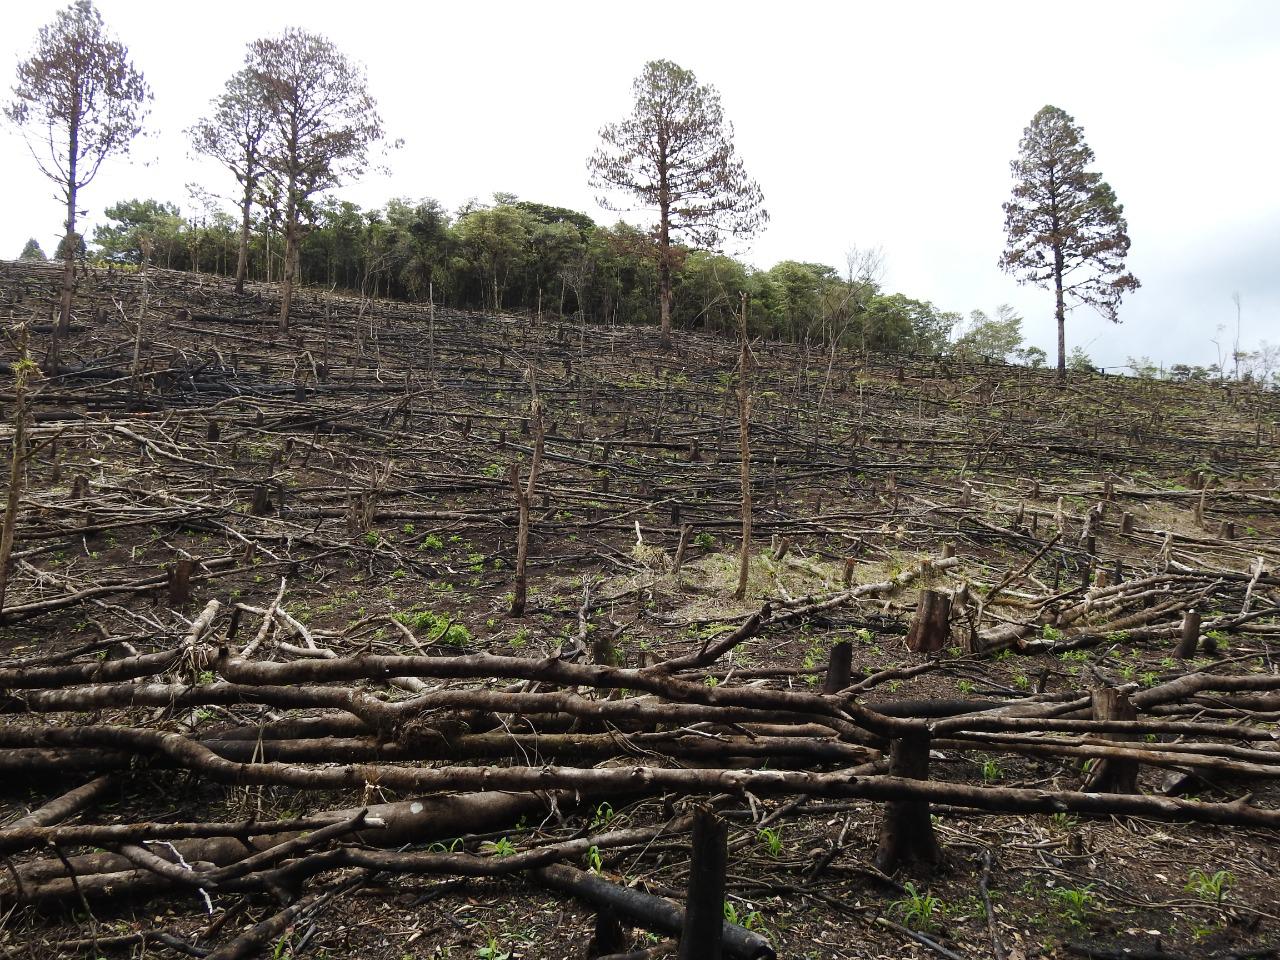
748	921
965	686
431	542
991	770
917	910
594	862
500	848
1063	821
492	951
407	528
1052	634
1074	902
603	817
705	540
1210	886
373	538
772	841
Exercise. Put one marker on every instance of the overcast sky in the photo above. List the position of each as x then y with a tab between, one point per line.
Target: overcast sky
887	124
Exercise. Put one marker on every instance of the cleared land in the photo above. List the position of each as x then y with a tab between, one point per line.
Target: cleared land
257	638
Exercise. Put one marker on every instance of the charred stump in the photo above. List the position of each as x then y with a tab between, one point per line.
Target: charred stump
906	830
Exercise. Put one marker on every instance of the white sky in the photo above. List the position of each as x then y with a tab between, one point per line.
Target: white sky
886	123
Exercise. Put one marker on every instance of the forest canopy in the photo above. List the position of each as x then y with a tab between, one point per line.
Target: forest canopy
518	255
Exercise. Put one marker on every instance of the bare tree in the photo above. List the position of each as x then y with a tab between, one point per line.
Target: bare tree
675	156
744	448
323	122
78	100
1236	355
234	134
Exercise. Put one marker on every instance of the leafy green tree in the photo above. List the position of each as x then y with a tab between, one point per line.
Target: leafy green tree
1065	227
794	296
1144	368
423	243
709	287
1079	361
234	134
995	337
494	241
895	323
1031	356
32	251
78	100
159	222
323	124
674	155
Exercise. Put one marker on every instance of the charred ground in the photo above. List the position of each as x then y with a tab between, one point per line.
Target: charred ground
344	493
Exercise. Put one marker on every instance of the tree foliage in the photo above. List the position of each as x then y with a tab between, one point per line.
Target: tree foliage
674	156
234	134
994	338
323	123
32	251
161	224
78	100
1066	230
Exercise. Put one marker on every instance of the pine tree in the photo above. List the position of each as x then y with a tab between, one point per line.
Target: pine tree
234	134
32	251
1065	228
78	100
675	156
323	124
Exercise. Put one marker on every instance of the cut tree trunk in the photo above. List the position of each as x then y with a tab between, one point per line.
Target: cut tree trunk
931	625
906	829
1113	775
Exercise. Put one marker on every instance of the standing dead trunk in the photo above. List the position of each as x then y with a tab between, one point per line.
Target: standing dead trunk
142	316
290	258
23	370
242	256
906	830
1059	308
431	323
703	935
744	450
840	668
524	500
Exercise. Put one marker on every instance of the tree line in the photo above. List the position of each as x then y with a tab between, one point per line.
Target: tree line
297	120
520	256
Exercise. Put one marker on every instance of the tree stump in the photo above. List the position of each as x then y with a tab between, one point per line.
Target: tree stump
906	830
1113	775
931	625
703	933
1190	638
261	504
840	668
180	582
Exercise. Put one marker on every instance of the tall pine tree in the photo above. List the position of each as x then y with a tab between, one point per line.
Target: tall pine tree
674	155
1065	228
